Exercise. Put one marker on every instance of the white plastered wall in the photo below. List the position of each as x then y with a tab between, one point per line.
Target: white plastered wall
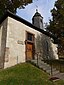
3	35
16	32
15	43
0	38
55	50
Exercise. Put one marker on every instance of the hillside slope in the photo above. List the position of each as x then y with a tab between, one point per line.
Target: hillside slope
24	74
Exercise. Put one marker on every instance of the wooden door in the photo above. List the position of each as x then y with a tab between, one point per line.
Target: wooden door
29	51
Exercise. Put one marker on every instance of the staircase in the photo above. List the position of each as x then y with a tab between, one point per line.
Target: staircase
47	68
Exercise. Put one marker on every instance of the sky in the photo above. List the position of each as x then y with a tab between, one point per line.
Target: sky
44	7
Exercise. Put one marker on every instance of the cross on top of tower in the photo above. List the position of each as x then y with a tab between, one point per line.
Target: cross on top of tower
36	8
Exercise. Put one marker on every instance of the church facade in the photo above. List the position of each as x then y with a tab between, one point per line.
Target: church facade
20	41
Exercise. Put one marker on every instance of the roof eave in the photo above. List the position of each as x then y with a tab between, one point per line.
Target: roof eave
8	13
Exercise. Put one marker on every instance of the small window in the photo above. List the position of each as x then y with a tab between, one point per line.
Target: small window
29	36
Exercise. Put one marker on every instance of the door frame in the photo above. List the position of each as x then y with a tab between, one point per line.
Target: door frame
30	42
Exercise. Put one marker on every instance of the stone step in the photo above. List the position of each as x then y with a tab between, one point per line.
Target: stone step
55	72
59	75
46	67
40	63
34	61
43	65
49	70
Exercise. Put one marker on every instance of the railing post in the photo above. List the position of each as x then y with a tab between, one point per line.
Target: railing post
60	65
37	59
51	69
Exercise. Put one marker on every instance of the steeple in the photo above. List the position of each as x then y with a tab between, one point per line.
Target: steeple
37	20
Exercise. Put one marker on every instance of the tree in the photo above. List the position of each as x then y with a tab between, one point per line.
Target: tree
57	24
12	5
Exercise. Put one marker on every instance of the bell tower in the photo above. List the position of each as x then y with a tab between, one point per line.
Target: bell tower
37	20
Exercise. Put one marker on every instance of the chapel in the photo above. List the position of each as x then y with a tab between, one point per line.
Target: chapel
21	41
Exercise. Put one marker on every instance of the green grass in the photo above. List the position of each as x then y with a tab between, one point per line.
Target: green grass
60	82
25	74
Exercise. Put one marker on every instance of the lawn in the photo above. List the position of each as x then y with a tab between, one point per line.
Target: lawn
25	74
